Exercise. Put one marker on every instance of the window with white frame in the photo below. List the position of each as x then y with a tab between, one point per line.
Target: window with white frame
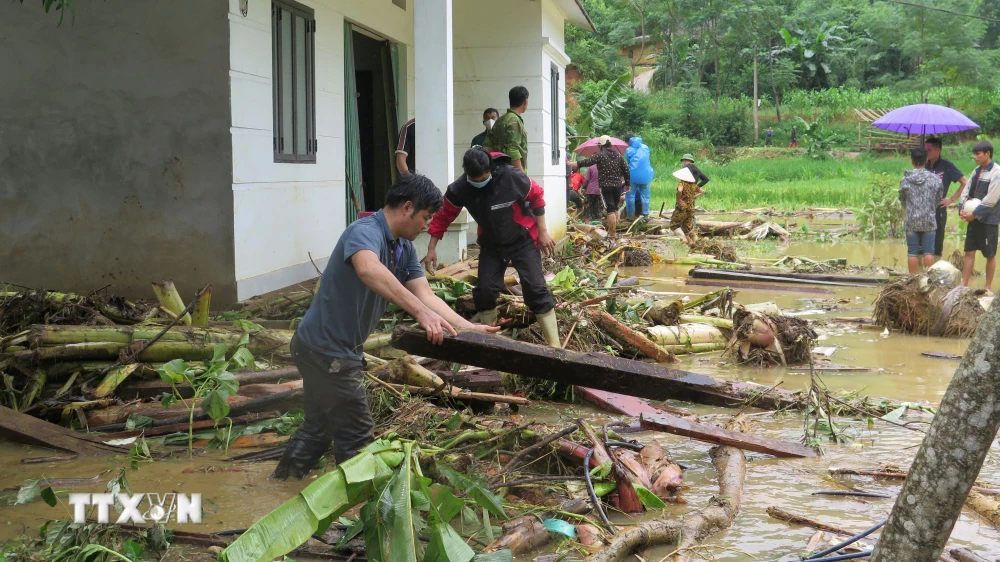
293	32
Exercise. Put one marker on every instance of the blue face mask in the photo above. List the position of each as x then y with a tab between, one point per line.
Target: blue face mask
481	184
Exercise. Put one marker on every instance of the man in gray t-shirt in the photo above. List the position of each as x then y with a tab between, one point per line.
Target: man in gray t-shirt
374	263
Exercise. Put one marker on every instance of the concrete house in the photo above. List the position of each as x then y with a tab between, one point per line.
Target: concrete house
226	141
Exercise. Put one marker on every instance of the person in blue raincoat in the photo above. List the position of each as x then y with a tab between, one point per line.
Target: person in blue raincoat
641	175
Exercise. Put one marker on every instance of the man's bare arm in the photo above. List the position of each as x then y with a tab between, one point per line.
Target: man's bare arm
401	164
422	289
379	279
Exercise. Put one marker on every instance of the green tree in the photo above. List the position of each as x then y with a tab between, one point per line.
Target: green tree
811	48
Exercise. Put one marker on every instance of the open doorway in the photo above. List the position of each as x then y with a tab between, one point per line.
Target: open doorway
376	106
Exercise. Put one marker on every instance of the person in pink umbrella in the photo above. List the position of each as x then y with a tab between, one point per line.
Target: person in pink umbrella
613	177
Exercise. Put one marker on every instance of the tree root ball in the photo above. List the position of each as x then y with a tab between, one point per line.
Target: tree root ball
920	306
767	340
719	249
637	257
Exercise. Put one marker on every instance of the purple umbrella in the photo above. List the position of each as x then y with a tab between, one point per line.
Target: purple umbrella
924	119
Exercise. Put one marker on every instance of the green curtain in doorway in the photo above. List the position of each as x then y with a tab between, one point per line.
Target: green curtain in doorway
352	136
399	78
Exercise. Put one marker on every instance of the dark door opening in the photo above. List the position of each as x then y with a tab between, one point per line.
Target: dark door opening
376	117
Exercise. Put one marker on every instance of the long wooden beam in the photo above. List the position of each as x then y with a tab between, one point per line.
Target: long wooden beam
654	418
596	370
712	434
23	428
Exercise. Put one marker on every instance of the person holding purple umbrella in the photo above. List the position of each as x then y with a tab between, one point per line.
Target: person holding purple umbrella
948	173
613	177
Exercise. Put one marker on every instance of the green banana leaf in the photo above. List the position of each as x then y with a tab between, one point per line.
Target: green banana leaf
648	498
404	545
291	524
476	489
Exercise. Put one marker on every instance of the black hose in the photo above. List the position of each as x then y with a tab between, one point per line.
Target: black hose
864	554
593	494
854	539
633	446
615	425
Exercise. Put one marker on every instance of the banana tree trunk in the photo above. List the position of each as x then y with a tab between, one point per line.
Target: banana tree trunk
170	299
687	334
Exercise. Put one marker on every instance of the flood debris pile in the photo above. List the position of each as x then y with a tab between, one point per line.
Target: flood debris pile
718	249
763	339
20	309
932	303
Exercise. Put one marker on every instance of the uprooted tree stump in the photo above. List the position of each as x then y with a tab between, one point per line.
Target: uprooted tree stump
925	306
770	339
730	463
716	248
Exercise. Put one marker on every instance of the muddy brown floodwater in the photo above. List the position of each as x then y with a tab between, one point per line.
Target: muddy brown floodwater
234	500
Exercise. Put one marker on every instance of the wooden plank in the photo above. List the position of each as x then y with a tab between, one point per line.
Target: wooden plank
459	394
596	370
712	434
752	286
616	403
141	389
183	426
476	379
23	428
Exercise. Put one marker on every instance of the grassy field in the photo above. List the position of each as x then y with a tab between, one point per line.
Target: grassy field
786	182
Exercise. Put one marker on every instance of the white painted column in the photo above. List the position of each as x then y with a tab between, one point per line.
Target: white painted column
434	111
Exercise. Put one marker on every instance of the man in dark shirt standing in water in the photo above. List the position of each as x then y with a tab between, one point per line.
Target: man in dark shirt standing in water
948	173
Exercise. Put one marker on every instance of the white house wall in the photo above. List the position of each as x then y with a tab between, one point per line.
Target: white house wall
285	212
498	47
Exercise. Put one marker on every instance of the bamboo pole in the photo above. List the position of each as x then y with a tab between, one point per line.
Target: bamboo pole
170	299
199	316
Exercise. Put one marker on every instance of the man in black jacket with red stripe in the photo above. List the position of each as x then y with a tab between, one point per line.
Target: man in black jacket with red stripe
510	210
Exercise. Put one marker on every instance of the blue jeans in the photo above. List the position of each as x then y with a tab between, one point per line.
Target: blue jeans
920	243
643	190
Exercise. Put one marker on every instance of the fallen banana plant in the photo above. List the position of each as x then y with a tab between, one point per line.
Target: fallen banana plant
399	503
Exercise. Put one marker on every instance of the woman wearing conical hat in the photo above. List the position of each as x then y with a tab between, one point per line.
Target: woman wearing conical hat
682	221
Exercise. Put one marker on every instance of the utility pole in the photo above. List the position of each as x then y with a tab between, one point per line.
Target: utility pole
951	455
756	124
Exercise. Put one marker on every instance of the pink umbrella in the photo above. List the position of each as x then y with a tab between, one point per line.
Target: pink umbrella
591	147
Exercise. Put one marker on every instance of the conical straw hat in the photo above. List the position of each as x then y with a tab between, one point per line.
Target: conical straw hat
684	174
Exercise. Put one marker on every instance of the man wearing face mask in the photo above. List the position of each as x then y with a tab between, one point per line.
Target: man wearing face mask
509	208
509	135
490	117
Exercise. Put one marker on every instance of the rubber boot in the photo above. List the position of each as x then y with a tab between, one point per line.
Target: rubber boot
550	329
682	236
298	459
488	317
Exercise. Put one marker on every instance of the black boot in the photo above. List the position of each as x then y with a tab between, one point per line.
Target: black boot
298	459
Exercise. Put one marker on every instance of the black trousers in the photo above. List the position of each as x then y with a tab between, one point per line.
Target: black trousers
527	260
574	198
336	406
942	220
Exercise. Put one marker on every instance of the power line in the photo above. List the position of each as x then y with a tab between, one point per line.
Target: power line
954	13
